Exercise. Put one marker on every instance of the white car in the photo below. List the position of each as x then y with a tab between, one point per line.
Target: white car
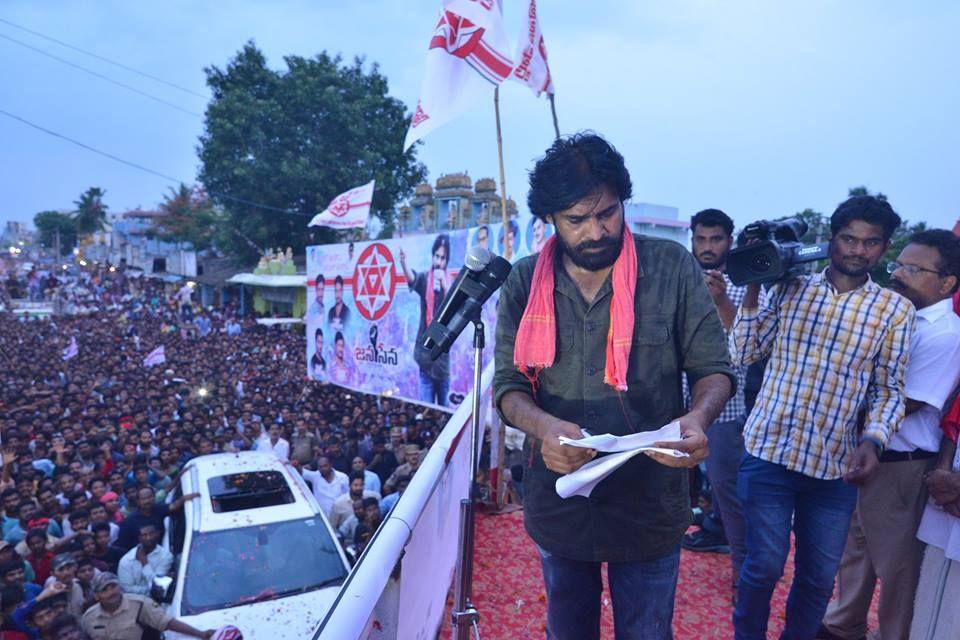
253	551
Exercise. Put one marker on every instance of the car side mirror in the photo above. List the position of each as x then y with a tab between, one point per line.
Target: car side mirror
162	590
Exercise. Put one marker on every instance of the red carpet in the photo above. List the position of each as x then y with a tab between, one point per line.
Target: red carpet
508	589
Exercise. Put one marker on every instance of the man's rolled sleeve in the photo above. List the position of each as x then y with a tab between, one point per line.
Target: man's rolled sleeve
887	397
506	378
701	337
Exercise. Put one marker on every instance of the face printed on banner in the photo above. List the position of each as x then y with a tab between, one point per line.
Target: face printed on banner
318	290
338	290
590	232
338	346
482	238
440	257
857	248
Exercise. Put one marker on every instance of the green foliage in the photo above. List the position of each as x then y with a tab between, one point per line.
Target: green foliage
189	216
294	139
91	213
49	222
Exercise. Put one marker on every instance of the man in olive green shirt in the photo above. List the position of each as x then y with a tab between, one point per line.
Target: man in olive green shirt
634	519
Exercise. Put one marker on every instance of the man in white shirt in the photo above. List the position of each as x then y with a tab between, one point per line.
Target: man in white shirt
274	444
343	506
882	540
328	484
144	562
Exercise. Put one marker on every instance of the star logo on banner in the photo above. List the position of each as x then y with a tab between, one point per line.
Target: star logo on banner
419	117
340	206
373	281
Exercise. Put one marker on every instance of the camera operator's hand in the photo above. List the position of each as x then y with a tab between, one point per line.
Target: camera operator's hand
863	464
560	457
751	299
716	285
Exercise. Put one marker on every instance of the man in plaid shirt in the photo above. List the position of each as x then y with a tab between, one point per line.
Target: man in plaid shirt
723	528
832	396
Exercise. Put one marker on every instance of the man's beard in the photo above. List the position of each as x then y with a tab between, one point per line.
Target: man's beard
714	263
594	260
839	264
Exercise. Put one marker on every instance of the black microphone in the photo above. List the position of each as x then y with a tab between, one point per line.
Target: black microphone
482	274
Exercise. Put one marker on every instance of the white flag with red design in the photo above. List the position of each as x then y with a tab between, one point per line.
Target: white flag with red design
532	68
349	210
467	58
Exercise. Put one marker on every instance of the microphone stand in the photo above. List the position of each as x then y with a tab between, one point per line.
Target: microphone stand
465	616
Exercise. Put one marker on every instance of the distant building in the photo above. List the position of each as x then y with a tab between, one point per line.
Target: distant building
657	220
129	240
455	202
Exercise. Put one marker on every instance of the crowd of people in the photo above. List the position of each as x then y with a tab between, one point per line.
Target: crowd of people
96	428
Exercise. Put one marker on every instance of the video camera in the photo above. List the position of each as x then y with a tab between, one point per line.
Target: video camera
768	251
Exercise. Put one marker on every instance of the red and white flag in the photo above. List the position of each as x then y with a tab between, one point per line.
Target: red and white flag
349	210
157	356
532	68
72	349
467	58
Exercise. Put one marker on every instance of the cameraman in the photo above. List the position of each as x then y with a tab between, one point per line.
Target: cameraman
837	344
712	239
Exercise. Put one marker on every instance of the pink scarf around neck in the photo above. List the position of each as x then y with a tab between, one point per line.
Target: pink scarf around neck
536	343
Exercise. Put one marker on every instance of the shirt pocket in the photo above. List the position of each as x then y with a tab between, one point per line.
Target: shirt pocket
565	340
649	350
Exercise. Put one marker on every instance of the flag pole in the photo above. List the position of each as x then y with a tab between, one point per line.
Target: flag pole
507	251
507	246
553	110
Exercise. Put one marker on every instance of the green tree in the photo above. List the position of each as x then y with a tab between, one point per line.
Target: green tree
294	139
49	222
188	216
863	191
91	213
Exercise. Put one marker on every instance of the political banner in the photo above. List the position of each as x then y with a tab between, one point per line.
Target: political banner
369	303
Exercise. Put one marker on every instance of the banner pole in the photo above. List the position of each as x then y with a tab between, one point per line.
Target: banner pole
553	110
507	246
507	251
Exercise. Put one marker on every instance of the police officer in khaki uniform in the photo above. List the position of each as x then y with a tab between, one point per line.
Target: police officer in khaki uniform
120	616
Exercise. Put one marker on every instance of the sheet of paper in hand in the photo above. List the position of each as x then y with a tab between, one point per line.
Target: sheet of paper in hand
582	481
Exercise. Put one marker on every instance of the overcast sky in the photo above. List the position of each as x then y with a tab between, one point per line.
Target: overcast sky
758	108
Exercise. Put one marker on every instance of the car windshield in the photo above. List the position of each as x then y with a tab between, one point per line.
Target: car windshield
239	566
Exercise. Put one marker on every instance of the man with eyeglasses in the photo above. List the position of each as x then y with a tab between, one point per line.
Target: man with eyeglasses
882	542
832	397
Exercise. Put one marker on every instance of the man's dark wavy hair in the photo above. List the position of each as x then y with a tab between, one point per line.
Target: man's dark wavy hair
870	209
574	168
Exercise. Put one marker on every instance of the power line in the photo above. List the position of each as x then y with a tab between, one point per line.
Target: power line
143	168
102	58
101	76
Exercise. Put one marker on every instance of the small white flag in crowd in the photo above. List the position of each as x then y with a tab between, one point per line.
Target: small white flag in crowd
157	356
72	349
349	210
532	68
466	59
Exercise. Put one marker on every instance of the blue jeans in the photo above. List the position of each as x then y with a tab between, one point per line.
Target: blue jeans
433	391
726	453
642	594
774	501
